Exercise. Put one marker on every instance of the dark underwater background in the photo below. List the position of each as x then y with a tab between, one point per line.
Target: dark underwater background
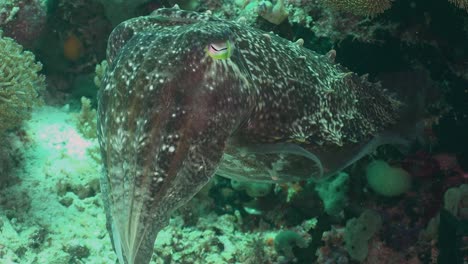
390	207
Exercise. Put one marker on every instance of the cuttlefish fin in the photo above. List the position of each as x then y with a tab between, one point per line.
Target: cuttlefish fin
277	162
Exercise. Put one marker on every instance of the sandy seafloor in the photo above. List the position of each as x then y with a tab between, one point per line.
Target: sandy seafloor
51	211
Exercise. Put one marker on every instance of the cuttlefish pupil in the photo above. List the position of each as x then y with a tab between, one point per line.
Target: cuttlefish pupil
219	51
215	49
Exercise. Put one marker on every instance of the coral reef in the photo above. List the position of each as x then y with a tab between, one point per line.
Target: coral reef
333	250
360	7
274	13
23	20
80	29
333	193
455	201
86	119
463	4
100	70
286	240
20	83
373	7
359	231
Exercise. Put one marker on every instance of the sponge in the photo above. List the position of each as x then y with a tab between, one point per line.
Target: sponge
286	240
359	231
387	180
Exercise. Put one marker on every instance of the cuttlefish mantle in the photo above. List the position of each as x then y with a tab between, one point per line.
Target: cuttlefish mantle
186	95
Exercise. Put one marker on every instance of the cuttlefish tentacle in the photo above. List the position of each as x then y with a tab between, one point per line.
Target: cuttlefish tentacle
185	94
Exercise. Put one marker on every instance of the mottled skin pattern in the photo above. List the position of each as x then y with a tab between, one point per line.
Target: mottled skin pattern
170	116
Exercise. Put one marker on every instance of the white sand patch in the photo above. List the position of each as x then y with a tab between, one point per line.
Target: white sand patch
54	213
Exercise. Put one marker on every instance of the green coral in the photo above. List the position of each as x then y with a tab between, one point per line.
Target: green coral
359	231
286	240
20	83
333	193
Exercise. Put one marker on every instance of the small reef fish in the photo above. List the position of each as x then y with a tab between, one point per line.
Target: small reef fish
187	95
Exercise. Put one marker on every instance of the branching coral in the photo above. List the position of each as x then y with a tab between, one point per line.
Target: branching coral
100	71
359	7
86	119
19	83
463	4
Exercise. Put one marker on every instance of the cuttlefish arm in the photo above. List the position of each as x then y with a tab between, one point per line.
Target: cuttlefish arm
166	109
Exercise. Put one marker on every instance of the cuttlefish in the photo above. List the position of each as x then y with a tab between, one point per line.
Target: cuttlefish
187	95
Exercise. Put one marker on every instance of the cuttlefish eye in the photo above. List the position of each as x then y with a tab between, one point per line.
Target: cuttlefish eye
219	50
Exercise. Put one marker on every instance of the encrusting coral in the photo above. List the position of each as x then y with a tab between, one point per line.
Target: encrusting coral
20	83
360	7
359	231
373	7
24	20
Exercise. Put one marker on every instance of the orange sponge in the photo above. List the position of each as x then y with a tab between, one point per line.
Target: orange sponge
72	48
